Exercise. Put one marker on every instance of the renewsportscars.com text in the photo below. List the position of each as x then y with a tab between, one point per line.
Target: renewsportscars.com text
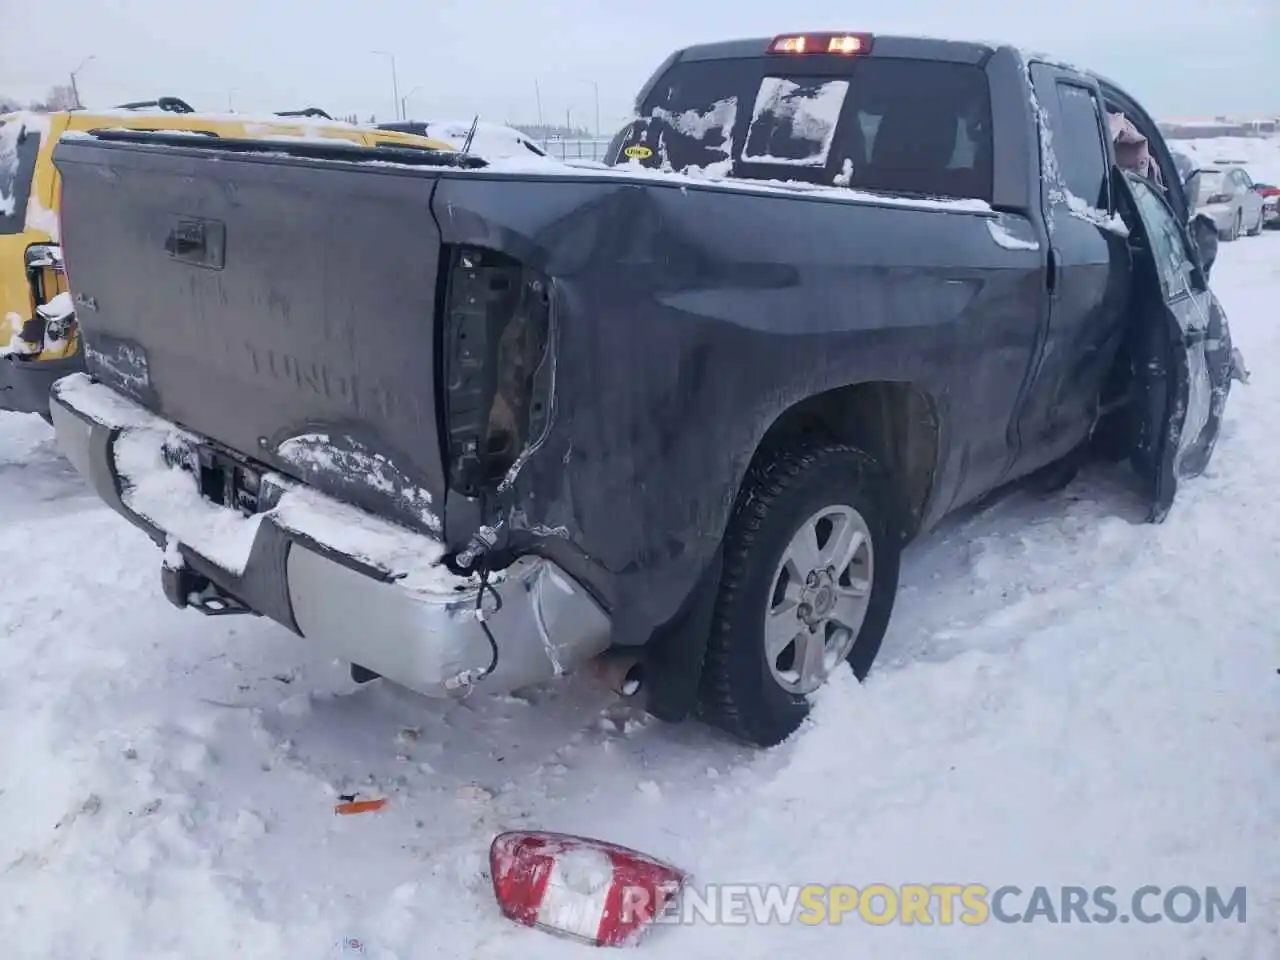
967	904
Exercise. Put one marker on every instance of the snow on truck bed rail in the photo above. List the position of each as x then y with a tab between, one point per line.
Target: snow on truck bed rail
634	171
552	168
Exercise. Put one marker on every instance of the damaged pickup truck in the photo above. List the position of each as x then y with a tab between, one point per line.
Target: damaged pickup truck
469	425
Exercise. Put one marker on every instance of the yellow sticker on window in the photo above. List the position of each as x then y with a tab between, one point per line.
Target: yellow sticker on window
637	151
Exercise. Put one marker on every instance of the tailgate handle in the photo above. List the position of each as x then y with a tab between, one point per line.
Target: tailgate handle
197	242
185	239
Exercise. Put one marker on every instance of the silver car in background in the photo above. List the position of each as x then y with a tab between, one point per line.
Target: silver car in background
1226	195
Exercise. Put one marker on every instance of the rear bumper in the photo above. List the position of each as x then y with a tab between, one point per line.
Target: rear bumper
25	384
363	589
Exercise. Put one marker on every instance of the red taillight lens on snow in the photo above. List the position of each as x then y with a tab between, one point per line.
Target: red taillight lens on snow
589	890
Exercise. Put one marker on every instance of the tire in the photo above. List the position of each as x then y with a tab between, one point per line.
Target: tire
1234	232
1257	230
829	486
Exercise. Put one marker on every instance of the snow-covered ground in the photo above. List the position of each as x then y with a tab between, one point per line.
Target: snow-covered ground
1067	696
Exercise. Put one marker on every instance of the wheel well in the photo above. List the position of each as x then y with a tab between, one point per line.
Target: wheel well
895	422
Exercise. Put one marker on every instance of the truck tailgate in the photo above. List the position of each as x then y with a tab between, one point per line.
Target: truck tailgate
283	307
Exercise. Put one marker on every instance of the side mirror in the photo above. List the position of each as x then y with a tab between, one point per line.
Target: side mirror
1204	235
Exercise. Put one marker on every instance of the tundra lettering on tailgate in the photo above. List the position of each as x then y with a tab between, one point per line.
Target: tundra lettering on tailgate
349	390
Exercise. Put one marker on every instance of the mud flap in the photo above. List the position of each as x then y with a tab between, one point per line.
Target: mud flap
674	656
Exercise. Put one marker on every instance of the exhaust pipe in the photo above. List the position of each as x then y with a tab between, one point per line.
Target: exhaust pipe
621	672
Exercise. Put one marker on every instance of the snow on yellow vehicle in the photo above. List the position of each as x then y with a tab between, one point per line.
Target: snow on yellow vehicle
38	338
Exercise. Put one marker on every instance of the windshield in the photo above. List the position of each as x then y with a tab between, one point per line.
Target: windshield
17	165
903	126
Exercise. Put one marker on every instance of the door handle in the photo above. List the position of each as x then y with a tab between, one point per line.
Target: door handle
198	242
1053	279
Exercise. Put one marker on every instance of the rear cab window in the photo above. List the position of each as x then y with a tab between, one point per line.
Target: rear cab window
19	148
903	126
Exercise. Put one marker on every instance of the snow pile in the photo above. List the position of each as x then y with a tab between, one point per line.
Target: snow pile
1066	696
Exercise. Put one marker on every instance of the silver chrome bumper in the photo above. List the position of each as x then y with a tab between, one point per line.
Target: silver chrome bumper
373	601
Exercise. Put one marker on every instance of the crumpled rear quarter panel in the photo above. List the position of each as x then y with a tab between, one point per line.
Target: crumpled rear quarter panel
689	319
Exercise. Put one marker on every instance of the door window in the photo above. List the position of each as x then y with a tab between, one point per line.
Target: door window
19	149
1174	263
1079	146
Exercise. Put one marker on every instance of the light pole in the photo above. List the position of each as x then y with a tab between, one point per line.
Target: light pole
75	90
404	102
595	86
395	85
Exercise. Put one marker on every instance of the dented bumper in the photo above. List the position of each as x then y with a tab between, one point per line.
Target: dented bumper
365	590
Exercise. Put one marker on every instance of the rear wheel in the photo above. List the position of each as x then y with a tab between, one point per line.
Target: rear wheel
1257	227
1234	232
810	574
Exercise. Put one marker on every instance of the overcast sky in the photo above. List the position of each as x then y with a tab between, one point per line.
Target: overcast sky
1180	57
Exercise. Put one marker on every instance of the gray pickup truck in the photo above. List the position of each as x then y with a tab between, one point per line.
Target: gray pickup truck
468	425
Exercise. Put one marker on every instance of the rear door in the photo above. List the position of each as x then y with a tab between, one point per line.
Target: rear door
1181	349
1087	271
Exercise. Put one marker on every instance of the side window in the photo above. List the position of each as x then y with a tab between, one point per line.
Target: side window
1168	243
1079	147
17	171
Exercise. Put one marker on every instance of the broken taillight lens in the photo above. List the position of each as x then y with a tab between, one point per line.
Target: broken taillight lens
589	890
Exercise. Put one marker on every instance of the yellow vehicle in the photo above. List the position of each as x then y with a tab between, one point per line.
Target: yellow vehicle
38	339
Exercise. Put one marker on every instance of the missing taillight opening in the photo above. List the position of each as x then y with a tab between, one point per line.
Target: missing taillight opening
495	334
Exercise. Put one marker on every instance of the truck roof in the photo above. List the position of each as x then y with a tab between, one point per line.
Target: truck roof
884	45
